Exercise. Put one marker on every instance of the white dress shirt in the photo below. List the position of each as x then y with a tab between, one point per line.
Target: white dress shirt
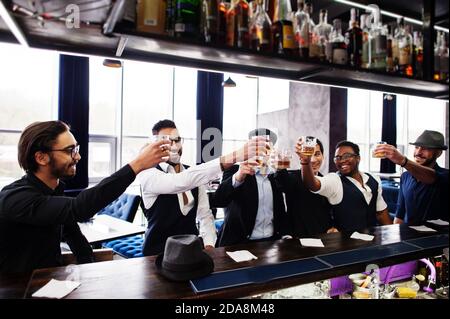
155	182
264	216
331	187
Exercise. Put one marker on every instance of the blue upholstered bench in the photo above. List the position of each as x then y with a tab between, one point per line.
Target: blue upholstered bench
128	247
390	195
218	223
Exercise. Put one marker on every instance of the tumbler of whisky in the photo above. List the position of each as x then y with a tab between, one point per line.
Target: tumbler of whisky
378	154
309	145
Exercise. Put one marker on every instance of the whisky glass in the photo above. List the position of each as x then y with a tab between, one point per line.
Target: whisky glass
378	154
309	145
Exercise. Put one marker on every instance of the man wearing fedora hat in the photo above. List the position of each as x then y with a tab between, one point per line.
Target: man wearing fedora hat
424	185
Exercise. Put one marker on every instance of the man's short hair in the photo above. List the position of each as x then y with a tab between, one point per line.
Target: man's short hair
354	146
161	125
263	131
319	142
38	136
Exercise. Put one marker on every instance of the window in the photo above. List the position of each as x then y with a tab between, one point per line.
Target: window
29	86
239	111
102	155
185	111
419	114
104	97
364	122
414	115
147	96
273	95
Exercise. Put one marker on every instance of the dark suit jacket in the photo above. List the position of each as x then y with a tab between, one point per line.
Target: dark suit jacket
241	206
309	214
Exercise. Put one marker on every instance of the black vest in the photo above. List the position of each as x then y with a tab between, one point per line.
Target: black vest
353	213
165	219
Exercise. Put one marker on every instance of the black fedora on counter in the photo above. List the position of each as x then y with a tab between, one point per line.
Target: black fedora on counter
431	139
184	259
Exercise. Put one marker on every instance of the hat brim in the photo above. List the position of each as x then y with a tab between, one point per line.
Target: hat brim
204	270
442	147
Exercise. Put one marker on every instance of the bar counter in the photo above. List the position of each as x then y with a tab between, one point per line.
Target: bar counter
138	278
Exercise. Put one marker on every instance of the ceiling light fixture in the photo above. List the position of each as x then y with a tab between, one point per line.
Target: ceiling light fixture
388	14
111	63
229	83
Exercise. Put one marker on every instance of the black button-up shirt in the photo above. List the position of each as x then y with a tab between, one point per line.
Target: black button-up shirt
33	216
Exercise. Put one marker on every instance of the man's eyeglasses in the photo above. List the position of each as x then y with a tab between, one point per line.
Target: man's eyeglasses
72	150
176	139
344	157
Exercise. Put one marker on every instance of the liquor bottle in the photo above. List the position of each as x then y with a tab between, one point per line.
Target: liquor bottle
339	48
151	15
354	40
313	40
437	68
171	15
418	55
322	31
405	49
443	58
238	34
390	65
301	31
282	29
209	20
366	41
378	41
188	19
261	29
222	22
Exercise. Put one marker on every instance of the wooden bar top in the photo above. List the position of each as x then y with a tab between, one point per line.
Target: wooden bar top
138	278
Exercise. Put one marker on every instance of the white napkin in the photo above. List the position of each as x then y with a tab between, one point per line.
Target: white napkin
422	228
365	237
56	289
438	222
241	255
311	242
98	226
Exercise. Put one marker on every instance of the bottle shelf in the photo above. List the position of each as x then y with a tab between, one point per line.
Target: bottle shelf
88	39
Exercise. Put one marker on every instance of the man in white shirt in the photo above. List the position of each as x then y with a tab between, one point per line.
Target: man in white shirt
356	197
174	195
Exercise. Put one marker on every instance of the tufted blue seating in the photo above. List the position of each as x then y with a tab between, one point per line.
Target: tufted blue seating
124	207
129	247
218	223
390	195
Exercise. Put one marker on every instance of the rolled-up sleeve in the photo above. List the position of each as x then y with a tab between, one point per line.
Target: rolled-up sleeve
331	188
206	218
156	182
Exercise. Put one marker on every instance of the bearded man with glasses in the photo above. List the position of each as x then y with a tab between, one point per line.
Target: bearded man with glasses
356	197
34	213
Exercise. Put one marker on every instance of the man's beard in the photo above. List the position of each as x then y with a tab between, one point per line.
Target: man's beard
429	162
61	171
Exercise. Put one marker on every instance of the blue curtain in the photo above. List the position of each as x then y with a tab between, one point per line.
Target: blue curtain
209	111
389	129
74	109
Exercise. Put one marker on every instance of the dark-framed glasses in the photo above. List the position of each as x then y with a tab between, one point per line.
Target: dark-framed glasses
72	150
344	157
176	139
